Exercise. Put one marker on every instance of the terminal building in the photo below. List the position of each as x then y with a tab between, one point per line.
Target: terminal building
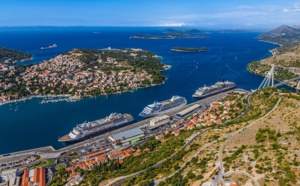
187	111
132	135
159	121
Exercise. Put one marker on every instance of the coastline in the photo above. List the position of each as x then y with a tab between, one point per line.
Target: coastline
264	76
70	98
270	42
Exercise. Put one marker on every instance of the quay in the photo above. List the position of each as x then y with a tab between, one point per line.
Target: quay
50	153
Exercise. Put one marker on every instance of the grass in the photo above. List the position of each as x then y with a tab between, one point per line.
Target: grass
60	166
46	163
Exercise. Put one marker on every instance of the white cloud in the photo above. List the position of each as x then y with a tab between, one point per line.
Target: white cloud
173	24
294	8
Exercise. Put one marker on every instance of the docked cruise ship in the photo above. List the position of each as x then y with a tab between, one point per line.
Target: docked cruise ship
205	91
163	106
89	129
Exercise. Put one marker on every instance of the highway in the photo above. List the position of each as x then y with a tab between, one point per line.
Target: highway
287	81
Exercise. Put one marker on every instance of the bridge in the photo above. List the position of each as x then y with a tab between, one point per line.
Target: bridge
269	80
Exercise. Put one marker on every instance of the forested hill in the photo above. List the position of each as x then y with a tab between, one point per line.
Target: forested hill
10	55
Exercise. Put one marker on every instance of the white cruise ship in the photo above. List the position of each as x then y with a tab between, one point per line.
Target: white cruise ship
89	129
162	107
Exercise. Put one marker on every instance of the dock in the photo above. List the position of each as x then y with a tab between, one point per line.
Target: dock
49	152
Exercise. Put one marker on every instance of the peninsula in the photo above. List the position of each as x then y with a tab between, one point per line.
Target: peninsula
179	49
82	73
9	56
286	58
174	34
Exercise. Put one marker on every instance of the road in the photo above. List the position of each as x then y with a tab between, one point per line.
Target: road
50	152
287	81
120	180
221	173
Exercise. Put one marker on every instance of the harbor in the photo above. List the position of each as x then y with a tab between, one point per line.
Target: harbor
49	152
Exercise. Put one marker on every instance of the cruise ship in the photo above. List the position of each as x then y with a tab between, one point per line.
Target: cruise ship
205	91
89	129
163	106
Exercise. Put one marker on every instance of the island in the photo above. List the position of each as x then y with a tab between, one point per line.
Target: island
174	34
82	73
286	58
9	56
180	49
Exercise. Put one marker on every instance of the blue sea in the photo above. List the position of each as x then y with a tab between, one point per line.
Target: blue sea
35	125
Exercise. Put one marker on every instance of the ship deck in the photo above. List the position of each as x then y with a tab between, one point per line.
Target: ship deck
65	138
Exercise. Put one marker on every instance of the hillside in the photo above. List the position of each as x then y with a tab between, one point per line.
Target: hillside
84	72
269	148
283	35
10	55
287	63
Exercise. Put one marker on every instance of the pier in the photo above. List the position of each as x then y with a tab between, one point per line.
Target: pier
50	153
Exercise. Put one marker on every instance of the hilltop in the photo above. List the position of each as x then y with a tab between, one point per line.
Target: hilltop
283	35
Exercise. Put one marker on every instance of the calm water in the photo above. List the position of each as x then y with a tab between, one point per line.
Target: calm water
35	125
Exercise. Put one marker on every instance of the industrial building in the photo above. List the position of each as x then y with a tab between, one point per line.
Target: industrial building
10	178
159	121
131	135
188	110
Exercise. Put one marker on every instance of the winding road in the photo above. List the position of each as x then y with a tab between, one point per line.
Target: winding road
221	173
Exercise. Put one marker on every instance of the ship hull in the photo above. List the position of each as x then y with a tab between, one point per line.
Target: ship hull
196	97
72	141
162	112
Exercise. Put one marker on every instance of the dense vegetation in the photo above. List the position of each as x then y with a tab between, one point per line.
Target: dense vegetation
144	60
12	56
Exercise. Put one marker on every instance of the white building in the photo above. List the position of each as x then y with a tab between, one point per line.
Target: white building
159	121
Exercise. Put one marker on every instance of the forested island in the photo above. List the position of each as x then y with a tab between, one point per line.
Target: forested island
173	34
11	56
180	49
83	72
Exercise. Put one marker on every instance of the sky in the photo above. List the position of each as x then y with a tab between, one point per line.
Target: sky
216	14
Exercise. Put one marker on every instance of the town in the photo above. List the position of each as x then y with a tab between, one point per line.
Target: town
118	149
81	73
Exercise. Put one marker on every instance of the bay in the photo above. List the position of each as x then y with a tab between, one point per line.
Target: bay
36	125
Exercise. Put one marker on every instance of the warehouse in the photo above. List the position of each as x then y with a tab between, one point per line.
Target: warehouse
187	111
159	121
126	136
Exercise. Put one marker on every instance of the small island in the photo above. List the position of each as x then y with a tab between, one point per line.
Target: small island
180	49
174	34
83	73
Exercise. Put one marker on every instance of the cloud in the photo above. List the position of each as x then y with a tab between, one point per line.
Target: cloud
173	24
295	8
